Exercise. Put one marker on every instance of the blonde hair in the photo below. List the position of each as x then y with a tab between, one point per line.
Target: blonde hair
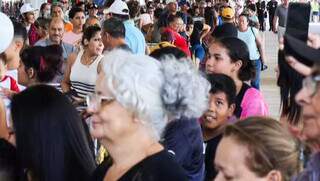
270	146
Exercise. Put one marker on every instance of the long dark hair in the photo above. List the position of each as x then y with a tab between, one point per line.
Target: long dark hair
290	82
238	50
45	61
50	136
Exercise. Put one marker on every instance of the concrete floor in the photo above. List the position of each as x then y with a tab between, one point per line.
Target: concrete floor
269	86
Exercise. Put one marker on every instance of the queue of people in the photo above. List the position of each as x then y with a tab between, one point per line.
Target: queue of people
164	91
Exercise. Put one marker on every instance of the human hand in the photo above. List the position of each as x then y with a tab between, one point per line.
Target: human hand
7	92
313	41
298	66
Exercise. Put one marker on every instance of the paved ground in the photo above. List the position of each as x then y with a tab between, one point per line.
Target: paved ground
268	77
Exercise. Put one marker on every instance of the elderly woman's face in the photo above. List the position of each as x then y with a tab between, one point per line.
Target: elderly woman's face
309	97
231	162
111	120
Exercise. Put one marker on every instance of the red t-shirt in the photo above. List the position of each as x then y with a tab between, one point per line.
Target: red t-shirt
9	83
179	41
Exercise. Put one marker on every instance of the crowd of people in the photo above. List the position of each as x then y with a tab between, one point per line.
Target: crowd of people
165	91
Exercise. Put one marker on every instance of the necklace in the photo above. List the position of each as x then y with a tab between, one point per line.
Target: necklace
87	61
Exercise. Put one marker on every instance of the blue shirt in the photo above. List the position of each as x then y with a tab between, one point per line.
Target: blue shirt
67	48
183	138
312	171
134	38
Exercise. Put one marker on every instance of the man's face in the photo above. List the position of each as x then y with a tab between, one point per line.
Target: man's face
78	20
172	7
308	98
56	30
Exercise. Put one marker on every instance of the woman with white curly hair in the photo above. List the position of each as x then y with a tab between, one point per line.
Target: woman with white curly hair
133	96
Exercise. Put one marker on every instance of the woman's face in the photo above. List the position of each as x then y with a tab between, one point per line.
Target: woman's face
95	45
219	61
243	22
57	12
176	24
111	121
23	77
309	97
219	111
231	162
30	17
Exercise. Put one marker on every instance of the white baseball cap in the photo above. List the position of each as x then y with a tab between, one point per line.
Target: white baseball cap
119	7
170	1
6	33
26	7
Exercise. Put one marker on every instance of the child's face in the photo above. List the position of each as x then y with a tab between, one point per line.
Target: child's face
219	111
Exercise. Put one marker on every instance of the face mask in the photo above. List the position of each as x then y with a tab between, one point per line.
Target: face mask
46	14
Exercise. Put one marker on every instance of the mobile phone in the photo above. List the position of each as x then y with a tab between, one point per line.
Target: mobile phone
298	18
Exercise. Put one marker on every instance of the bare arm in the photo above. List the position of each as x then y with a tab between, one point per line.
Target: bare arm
65	84
274	22
260	46
206	29
4	132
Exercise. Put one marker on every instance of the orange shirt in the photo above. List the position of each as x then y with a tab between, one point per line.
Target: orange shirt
68	26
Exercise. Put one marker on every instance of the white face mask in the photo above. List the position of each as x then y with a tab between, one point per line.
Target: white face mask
46	14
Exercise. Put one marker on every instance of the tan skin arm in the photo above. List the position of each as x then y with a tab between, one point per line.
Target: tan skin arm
206	29
260	47
274	22
66	84
4	132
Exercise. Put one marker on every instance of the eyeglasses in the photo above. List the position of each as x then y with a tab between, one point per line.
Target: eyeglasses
95	101
311	84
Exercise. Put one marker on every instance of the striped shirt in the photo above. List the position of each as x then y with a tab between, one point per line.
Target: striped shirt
83	77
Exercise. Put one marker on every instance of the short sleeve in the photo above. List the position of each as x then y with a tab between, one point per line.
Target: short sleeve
253	104
255	31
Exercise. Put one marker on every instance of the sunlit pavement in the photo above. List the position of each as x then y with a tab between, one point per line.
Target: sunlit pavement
269	86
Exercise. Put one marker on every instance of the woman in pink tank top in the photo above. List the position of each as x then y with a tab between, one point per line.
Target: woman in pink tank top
230	56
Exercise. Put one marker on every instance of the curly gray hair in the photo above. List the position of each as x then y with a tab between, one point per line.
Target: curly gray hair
152	90
185	91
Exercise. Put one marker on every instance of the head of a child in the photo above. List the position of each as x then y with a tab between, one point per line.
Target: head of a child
3	66
221	103
18	43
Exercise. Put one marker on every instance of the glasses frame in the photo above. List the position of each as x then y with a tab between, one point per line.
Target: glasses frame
94	101
314	80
